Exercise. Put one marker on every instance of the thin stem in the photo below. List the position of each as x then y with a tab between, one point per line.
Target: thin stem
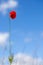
10	36
10	63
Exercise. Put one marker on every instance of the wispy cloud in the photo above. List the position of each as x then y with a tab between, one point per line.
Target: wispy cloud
41	34
27	40
8	5
3	38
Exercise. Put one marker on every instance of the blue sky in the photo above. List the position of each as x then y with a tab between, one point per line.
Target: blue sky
27	28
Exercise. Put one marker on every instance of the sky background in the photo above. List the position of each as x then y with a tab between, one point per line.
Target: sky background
26	29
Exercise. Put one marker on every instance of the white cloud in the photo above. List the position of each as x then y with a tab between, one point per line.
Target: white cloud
7	5
27	40
23	59
3	38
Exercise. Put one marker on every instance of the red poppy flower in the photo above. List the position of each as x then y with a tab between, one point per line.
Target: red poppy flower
12	14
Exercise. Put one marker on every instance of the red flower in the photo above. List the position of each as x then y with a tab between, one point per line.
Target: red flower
12	14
